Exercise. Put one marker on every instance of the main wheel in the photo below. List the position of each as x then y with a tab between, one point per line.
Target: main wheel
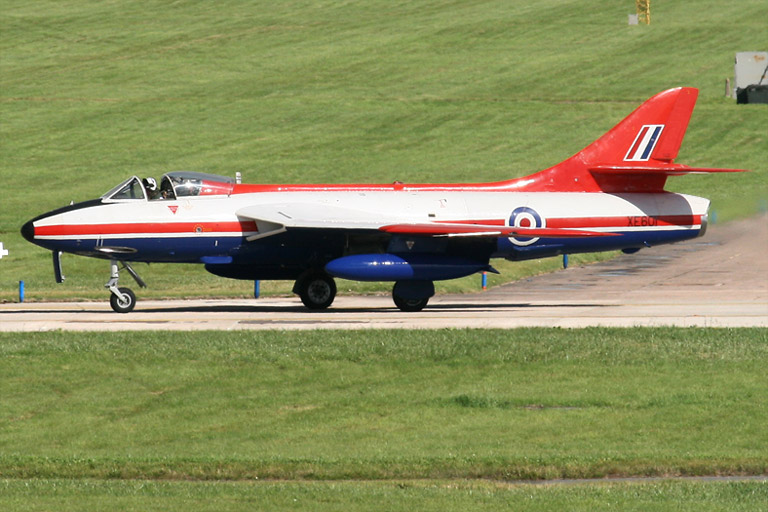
317	291
410	305
125	302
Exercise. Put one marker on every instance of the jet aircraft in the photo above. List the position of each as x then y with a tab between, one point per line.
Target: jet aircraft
609	196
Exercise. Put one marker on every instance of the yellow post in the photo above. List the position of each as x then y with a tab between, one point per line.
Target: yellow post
644	10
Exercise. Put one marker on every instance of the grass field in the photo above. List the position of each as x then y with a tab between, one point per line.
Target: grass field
437	496
373	91
95	415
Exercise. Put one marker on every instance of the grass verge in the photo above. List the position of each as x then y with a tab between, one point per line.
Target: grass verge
438	496
333	405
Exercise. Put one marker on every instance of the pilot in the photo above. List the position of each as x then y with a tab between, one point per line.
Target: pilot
151	185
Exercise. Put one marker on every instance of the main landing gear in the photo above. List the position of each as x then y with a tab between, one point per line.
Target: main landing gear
409	305
412	296
316	290
122	300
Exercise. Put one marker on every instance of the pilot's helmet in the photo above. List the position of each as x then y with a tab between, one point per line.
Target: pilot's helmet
151	184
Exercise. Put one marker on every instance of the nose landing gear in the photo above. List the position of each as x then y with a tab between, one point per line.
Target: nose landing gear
122	300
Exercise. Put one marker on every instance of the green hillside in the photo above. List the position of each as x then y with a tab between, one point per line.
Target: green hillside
368	91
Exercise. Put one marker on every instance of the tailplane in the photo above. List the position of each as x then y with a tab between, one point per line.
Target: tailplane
636	155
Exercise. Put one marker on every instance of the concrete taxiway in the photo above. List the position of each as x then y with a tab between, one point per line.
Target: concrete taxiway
720	280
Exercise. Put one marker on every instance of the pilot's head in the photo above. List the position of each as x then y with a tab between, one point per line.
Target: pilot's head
150	184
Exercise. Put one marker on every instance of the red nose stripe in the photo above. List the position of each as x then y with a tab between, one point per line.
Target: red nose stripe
153	227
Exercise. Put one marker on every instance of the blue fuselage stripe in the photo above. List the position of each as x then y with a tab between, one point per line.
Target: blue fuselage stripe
270	250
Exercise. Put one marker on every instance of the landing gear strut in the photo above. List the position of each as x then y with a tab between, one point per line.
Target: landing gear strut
122	300
316	290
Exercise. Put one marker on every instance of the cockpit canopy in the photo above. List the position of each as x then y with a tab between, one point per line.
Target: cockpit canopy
173	185
187	183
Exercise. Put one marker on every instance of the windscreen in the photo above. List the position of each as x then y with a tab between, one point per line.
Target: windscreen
127	190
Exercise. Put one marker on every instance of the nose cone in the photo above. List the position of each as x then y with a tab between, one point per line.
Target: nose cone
28	231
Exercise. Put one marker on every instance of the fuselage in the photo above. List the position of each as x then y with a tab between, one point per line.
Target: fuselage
206	228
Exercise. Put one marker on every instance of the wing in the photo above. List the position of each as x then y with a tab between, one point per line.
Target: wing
480	230
272	219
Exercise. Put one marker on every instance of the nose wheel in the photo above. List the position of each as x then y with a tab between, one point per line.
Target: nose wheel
122	300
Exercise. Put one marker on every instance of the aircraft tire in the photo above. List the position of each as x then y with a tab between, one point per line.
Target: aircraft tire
317	291
410	305
125	302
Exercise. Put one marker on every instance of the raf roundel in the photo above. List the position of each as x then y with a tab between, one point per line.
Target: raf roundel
524	217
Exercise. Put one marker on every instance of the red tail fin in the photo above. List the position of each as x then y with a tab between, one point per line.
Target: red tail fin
636	155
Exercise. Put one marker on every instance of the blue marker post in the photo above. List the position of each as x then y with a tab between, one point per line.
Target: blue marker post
21	291
485	281
256	289
565	261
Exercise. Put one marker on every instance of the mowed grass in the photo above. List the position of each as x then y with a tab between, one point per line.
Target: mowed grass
369	91
373	420
370	405
438	496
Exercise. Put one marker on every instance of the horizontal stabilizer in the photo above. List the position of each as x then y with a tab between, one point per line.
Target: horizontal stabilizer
479	230
665	170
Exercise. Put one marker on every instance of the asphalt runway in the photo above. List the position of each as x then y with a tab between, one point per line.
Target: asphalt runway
720	280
